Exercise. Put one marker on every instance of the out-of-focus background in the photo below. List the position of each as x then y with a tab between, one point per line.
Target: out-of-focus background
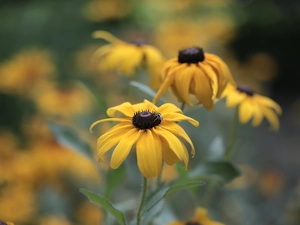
46	76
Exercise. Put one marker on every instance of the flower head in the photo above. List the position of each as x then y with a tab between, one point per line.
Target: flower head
125	57
252	105
195	72
201	217
153	130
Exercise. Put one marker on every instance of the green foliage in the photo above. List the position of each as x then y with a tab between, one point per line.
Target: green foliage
221	171
106	204
66	136
162	192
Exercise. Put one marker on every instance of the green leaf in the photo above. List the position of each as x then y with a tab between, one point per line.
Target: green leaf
144	88
157	196
222	171
67	137
105	204
113	178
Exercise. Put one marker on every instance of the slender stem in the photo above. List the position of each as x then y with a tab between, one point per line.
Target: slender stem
228	151
209	192
182	106
143	198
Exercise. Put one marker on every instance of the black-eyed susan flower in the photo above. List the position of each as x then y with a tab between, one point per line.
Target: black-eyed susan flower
252	105
125	57
195	72
154	131
201	217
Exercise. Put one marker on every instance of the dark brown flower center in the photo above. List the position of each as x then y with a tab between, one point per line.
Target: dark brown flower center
191	55
245	89
192	223
146	120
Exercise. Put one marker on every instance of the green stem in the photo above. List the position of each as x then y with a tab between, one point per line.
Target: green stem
209	192
228	151
143	198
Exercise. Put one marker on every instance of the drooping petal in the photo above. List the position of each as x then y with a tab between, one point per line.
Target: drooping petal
173	142
267	102
179	132
203	90
125	108
245	110
149	153
271	117
111	138
212	76
168	154
182	83
166	84
123	148
176	117
257	114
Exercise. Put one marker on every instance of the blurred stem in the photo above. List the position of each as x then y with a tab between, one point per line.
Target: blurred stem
231	139
143	198
209	192
182	106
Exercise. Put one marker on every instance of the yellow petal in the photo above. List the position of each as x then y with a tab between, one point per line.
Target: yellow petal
245	111
257	114
267	102
178	131
182	83
125	108
106	120
179	117
166	84
203	90
106	36
111	138
131	59
145	105
154	62
169	108
234	98
149	154
202	217
123	148
212	76
168	154
173	142
271	116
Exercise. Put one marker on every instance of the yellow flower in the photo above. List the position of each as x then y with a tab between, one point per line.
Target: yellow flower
201	217
195	72
155	132
26	70
252	105
125	57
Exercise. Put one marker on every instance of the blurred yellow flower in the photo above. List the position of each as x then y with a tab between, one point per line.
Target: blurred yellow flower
252	105
63	99
195	72
125	57
25	71
155	132
201	217
102	10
